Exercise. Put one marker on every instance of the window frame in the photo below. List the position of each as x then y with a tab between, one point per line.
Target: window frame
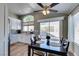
50	25
28	23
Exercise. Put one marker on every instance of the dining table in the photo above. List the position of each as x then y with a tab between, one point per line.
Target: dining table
54	47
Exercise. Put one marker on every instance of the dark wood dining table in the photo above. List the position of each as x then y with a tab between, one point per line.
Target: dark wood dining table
59	50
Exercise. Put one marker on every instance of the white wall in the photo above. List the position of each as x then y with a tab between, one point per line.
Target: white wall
76	34
71	33
6	30
12	15
3	31
74	47
2	41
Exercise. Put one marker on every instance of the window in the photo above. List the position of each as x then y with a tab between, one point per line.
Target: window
28	18
25	28
50	28
28	28
76	28
31	28
44	27
28	23
54	28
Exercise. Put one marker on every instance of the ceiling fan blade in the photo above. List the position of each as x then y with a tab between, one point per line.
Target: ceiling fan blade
40	5
37	10
53	10
53	4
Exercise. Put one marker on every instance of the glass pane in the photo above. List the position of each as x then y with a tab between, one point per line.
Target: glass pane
28	18
31	28
54	29
50	28
76	28
44	28
25	28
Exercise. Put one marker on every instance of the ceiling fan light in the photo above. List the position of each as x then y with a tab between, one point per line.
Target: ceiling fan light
48	11
44	12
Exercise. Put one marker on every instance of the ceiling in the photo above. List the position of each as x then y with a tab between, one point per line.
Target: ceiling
26	8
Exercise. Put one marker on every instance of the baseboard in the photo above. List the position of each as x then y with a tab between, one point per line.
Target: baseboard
19	42
13	44
23	43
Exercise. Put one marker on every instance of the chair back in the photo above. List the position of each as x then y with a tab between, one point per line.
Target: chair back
61	40
67	47
31	41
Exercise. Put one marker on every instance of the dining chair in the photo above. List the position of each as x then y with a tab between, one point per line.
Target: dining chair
36	52
65	46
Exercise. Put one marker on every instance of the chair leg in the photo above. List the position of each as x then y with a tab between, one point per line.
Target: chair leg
45	54
32	52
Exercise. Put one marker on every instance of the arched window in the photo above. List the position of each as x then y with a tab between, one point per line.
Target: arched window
28	23
28	18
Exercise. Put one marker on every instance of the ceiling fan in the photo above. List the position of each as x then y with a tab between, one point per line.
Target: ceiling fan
46	9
